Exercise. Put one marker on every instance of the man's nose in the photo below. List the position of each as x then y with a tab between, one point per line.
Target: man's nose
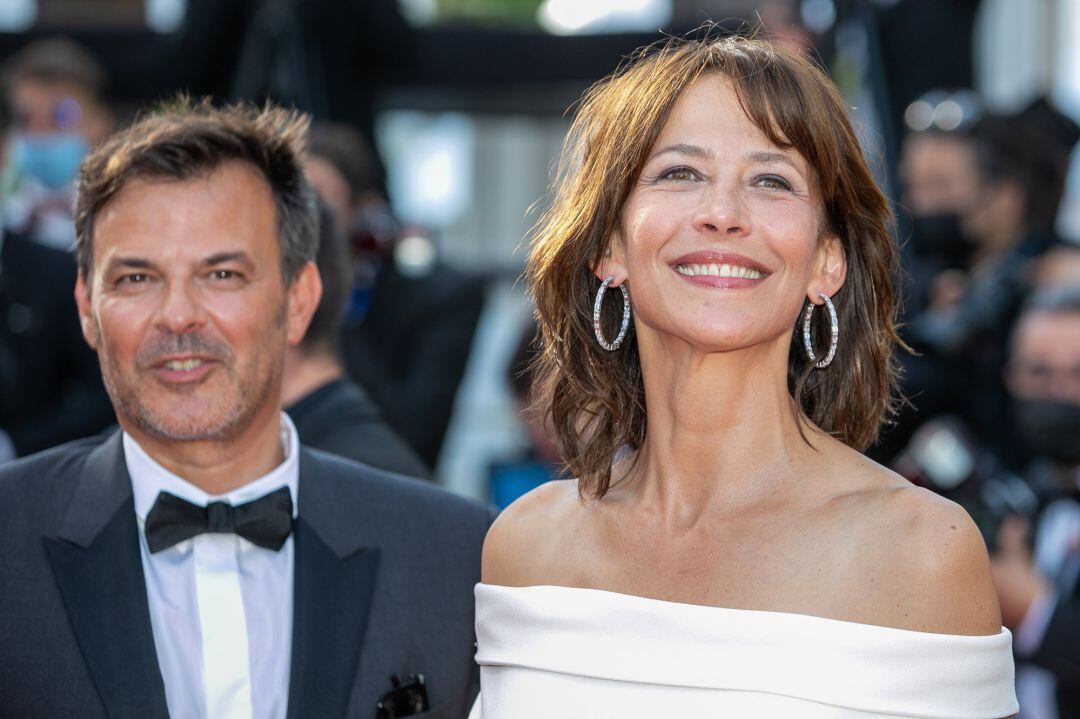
181	309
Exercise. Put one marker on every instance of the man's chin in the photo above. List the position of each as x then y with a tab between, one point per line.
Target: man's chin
187	427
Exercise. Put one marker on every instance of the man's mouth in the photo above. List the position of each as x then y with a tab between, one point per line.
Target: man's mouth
184	365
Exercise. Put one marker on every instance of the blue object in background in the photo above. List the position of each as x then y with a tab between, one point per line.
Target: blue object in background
509	480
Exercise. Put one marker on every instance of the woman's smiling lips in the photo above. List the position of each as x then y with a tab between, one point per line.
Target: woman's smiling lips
723	270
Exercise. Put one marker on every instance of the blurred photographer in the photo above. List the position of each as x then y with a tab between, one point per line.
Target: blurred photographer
1007	223
55	90
1036	563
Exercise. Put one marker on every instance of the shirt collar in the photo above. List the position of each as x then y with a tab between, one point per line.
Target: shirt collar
148	478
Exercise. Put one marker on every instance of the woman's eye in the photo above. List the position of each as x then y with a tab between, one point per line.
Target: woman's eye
679	174
773	182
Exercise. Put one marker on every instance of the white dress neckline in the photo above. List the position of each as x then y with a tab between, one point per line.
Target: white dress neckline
532	636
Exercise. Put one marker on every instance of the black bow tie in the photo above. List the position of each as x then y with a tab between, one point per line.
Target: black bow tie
266	521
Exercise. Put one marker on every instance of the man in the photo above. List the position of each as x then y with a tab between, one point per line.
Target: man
200	562
332	413
1036	568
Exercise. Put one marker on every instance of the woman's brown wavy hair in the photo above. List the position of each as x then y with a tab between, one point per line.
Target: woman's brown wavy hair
595	398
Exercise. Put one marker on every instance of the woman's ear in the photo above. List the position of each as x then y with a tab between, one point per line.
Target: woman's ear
830	269
613	263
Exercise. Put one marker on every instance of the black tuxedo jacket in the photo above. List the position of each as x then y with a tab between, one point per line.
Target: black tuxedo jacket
384	575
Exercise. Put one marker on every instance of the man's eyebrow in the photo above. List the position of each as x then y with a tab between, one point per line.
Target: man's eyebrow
130	262
682	148
220	258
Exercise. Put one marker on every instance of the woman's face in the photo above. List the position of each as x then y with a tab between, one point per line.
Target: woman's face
722	237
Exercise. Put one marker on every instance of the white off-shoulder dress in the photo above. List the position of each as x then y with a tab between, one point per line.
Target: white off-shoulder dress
550	652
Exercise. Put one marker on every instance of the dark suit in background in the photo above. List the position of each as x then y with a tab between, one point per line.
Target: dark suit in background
384	575
410	350
341	419
50	383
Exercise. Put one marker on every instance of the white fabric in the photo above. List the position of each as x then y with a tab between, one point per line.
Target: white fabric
221	607
566	652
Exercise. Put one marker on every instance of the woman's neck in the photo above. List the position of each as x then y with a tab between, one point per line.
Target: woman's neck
722	430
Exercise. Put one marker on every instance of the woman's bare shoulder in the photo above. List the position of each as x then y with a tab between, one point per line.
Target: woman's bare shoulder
926	556
520	544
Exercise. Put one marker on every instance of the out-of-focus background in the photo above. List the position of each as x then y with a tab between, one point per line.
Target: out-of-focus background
437	126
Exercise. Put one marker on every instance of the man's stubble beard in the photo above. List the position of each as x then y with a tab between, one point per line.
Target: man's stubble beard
235	418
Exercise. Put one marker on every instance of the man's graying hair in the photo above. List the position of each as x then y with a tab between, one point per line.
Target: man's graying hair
186	140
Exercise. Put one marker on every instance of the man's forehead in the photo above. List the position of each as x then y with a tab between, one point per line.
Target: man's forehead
1049	335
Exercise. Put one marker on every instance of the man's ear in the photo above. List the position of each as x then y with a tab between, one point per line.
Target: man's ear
85	307
613	263
830	268
304	295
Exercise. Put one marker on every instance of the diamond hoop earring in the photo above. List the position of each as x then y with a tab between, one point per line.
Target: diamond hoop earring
614	345
808	343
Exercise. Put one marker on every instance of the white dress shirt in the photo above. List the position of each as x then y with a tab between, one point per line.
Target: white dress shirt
221	608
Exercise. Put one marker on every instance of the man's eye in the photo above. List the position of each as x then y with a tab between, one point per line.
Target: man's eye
136	278
224	274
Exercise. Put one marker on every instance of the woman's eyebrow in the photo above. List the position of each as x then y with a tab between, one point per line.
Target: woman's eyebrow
765	156
682	148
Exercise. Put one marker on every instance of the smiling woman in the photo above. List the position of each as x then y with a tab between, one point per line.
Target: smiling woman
725	550
612	149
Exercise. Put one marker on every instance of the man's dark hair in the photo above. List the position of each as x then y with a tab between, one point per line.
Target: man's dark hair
55	61
350	154
1023	150
186	140
1054	300
324	332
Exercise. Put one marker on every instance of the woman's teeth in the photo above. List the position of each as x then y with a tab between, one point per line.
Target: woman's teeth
719	271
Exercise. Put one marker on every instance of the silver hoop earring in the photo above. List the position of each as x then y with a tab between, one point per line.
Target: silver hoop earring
614	345
808	343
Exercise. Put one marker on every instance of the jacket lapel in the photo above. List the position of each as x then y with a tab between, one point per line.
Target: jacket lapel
96	561
334	579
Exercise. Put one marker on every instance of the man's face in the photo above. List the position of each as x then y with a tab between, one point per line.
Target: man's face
938	174
187	308
1045	363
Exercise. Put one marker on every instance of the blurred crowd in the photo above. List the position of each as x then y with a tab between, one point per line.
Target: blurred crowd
991	416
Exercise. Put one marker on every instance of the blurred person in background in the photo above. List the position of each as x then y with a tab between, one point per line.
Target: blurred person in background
1036	564
411	318
330	412
50	383
1001	219
56	92
1059	266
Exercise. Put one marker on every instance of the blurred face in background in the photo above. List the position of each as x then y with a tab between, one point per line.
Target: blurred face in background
939	183
938	174
331	187
54	125
187	308
1044	379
